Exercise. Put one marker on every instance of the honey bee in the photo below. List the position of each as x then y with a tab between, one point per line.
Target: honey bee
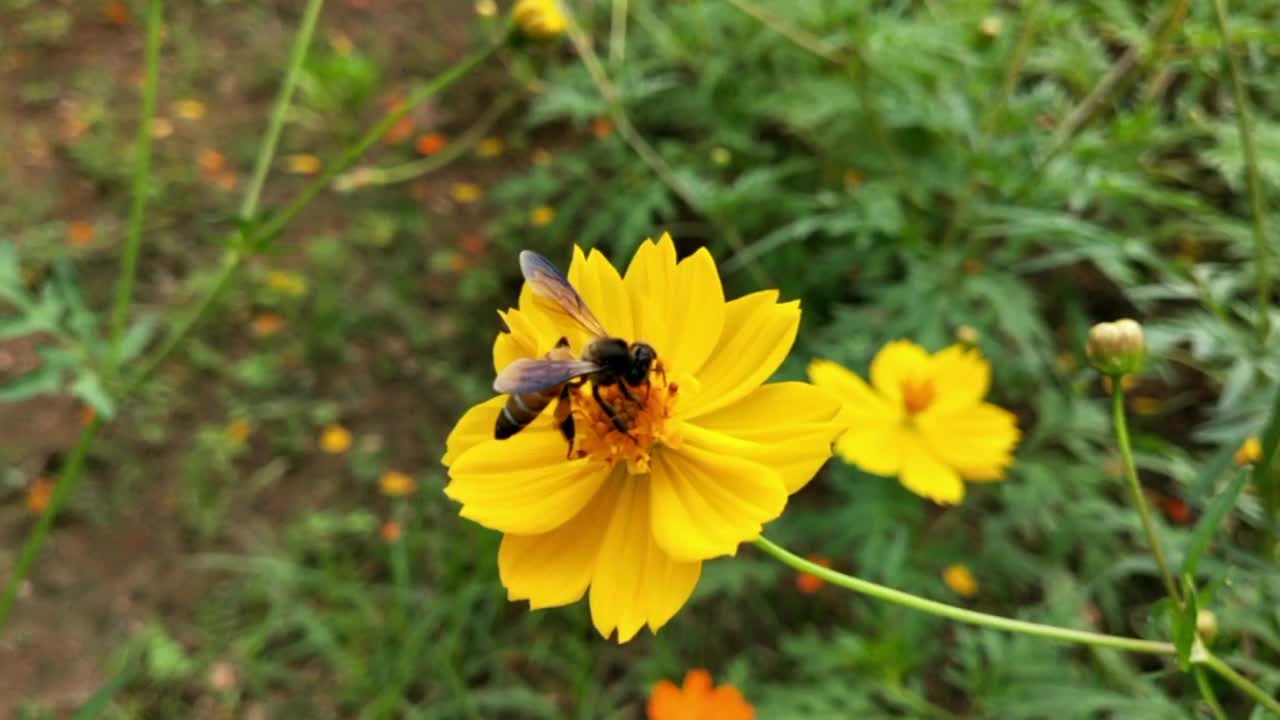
606	361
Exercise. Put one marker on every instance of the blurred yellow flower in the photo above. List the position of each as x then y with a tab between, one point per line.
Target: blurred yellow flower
486	8
697	699
303	164
960	580
539	19
286	281
238	430
188	109
490	147
394	483
465	192
335	439
542	215
711	453
922	419
161	127
1249	452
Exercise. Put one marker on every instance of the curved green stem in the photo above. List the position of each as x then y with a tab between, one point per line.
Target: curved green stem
267	149
1135	489
1241	682
952	612
1206	691
141	174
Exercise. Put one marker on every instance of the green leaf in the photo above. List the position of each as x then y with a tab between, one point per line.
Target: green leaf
88	387
1209	522
137	337
46	379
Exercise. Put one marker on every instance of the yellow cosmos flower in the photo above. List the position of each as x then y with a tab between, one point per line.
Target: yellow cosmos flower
710	455
539	19
960	579
923	419
1249	452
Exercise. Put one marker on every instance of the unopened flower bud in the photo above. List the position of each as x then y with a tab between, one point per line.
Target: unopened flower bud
539	19
991	27
1206	625
1117	348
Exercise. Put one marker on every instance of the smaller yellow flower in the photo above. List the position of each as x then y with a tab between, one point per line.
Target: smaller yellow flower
960	580
466	193
923	419
539	19
542	215
303	164
486	8
284	281
1249	452
335	439
490	147
394	483
238	430
189	109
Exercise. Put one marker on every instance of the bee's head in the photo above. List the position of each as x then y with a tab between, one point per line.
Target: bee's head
642	357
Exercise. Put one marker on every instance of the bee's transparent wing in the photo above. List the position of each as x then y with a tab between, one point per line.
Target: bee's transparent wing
528	375
547	282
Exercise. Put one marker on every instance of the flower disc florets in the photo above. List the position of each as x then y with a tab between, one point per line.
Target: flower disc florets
645	414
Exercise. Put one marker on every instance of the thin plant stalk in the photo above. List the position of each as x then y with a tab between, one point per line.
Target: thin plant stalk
141	177
1206	691
952	612
1245	685
1244	125
230	262
267	149
1135	489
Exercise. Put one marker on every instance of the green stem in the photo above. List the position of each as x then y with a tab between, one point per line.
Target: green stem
267	149
35	539
1242	683
353	153
141	174
951	612
1135	489
1206	692
1244	125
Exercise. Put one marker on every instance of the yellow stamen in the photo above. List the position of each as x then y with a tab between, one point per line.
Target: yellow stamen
645	419
917	395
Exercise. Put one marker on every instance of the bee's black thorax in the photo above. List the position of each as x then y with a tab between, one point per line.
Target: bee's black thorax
620	362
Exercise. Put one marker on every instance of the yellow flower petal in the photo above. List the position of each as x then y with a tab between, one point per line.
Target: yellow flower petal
554	568
707	500
475	427
523	484
977	441
601	287
635	583
758	334
861	402
898	361
533	332
682	304
877	448
960	377
790	427
926	475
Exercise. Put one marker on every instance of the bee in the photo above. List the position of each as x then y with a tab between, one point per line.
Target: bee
606	361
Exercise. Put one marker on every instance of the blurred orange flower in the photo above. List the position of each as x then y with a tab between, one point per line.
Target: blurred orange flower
391	531
961	581
602	127
80	234
267	324
542	215
335	439
698	700
430	143
239	429
394	483
39	495
400	131
810	584
473	244
117	13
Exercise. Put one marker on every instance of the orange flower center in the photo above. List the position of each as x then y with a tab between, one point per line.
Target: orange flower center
917	395
644	415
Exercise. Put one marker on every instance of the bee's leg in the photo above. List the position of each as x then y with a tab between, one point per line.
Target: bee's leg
608	410
625	392
564	413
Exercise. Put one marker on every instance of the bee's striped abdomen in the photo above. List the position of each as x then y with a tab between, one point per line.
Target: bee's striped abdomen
521	410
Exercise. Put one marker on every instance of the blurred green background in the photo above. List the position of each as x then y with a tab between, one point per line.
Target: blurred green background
1005	173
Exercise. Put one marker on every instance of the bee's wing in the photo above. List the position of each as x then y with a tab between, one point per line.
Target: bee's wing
528	375
547	282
